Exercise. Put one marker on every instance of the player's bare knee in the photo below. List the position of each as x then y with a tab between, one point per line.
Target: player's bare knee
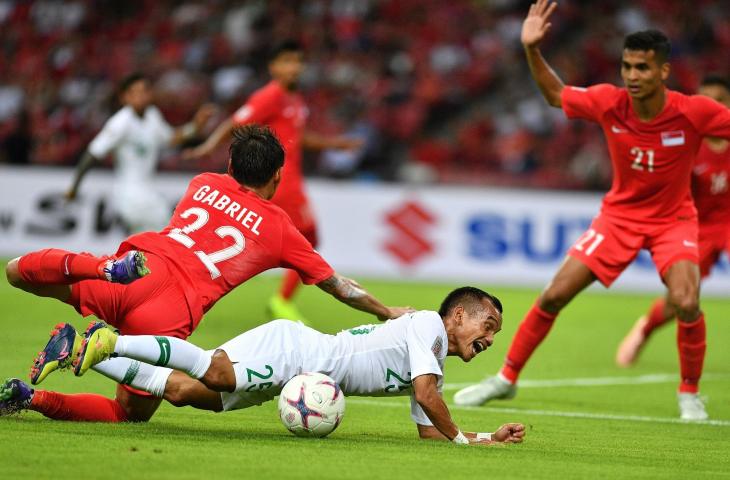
552	300
686	304
12	273
220	375
175	394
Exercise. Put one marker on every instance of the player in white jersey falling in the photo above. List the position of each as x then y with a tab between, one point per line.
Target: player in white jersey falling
136	134
404	356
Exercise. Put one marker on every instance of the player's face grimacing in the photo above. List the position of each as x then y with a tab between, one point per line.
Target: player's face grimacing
474	333
138	96
286	68
642	74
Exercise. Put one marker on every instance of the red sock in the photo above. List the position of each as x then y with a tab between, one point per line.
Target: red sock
692	346
656	317
59	267
81	407
289	284
533	329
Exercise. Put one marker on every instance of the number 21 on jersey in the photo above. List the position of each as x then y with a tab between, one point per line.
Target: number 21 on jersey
642	157
209	259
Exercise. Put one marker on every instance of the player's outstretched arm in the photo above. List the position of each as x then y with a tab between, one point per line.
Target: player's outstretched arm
219	135
185	132
534	28
85	164
350	292
315	141
425	389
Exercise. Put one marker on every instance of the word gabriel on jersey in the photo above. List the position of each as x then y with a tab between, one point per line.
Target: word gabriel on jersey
248	218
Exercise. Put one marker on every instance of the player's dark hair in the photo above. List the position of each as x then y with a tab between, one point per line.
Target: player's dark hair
130	80
646	40
256	155
718	80
468	297
285	46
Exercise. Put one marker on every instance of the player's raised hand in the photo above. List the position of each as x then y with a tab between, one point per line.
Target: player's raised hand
509	433
203	115
536	23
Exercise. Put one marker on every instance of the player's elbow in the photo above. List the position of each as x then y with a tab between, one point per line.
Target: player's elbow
425	397
554	98
12	273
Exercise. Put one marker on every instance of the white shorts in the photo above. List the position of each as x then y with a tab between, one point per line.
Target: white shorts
142	209
264	359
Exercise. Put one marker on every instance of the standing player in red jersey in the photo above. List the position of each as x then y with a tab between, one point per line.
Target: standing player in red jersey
653	135
223	231
279	106
711	193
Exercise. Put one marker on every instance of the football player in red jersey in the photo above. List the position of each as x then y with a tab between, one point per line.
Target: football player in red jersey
653	135
279	106
224	231
711	193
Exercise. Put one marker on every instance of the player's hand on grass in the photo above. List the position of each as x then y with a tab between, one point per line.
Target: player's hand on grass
509	433
395	312
536	23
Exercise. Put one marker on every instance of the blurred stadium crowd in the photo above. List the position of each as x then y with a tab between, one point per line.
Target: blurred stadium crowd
439	89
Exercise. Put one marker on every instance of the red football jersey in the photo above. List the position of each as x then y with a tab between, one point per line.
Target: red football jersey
222	234
710	187
286	114
652	161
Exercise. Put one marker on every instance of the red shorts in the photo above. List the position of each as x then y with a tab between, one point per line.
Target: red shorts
153	305
714	239
610	245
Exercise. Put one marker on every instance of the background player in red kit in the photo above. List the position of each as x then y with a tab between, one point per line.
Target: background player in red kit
711	193
279	106
223	231
653	135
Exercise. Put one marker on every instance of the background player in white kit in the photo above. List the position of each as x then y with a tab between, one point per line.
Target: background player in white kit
136	134
404	356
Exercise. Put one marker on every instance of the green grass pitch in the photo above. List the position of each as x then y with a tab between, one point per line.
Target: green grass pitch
621	429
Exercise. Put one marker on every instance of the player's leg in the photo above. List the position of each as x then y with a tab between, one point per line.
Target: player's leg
282	305
183	391
602	253
660	313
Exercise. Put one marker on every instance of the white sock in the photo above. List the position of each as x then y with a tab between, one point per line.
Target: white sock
164	352
136	374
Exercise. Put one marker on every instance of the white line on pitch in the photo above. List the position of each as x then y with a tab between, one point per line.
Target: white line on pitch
553	413
598	381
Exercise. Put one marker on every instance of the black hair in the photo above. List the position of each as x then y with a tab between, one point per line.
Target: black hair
646	40
467	297
718	80
286	46
130	80
256	155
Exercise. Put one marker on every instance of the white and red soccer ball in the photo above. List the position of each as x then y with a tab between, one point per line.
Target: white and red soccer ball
311	405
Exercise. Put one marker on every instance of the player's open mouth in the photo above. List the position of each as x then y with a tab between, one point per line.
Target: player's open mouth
634	88
478	346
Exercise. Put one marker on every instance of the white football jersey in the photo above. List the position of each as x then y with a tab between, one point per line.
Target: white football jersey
136	143
369	360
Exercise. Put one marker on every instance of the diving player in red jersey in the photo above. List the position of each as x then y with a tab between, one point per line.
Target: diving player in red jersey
223	231
653	135
711	193
279	106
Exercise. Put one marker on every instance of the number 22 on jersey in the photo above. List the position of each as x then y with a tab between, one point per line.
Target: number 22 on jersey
202	216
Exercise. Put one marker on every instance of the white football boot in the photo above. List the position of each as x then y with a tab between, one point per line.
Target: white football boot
492	388
691	407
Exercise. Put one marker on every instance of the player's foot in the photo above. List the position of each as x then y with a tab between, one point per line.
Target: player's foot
630	347
58	354
279	308
97	346
492	388
691	407
15	395
132	266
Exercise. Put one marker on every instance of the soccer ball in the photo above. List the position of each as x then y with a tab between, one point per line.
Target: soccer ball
311	405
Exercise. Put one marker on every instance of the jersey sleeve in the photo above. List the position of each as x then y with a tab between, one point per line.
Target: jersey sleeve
298	254
710	118
109	136
260	108
425	341
163	129
587	103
